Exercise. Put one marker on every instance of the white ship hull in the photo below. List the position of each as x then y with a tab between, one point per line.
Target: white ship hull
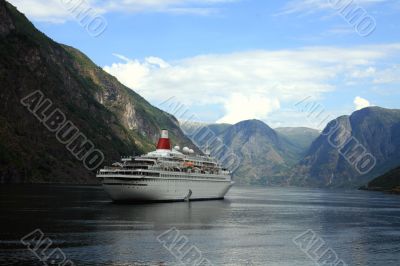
160	189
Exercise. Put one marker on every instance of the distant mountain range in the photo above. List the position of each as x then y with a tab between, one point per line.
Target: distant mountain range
349	152
116	119
266	154
299	136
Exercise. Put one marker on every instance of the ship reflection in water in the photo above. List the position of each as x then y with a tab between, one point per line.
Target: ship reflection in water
252	226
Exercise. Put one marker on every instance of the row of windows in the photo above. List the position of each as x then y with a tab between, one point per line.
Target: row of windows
169	175
190	176
131	173
154	181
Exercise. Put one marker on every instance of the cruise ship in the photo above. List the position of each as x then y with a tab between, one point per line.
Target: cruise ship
166	174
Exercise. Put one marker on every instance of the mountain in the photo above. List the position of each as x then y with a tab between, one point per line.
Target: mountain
116	119
372	134
190	127
389	182
264	154
302	137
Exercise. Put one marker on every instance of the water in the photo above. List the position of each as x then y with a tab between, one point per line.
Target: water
253	226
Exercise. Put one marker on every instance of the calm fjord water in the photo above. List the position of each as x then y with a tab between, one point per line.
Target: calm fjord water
253	226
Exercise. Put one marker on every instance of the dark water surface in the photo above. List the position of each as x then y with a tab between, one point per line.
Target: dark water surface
253	226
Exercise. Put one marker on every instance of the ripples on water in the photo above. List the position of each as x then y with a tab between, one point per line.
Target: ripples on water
253	226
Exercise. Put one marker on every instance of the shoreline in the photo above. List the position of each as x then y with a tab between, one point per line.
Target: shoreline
395	190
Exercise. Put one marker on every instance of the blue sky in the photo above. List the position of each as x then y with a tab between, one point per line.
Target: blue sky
230	60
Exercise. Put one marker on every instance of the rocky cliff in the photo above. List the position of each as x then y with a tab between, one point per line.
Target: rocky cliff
352	150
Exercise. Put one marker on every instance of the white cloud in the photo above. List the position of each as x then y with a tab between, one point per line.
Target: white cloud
312	6
251	84
57	11
388	75
51	10
241	107
131	72
363	73
360	103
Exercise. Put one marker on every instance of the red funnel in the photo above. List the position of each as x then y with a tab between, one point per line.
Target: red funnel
163	142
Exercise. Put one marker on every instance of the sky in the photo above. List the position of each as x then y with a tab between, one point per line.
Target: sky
288	63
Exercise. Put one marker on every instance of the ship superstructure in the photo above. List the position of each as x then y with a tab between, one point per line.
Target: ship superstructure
166	174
